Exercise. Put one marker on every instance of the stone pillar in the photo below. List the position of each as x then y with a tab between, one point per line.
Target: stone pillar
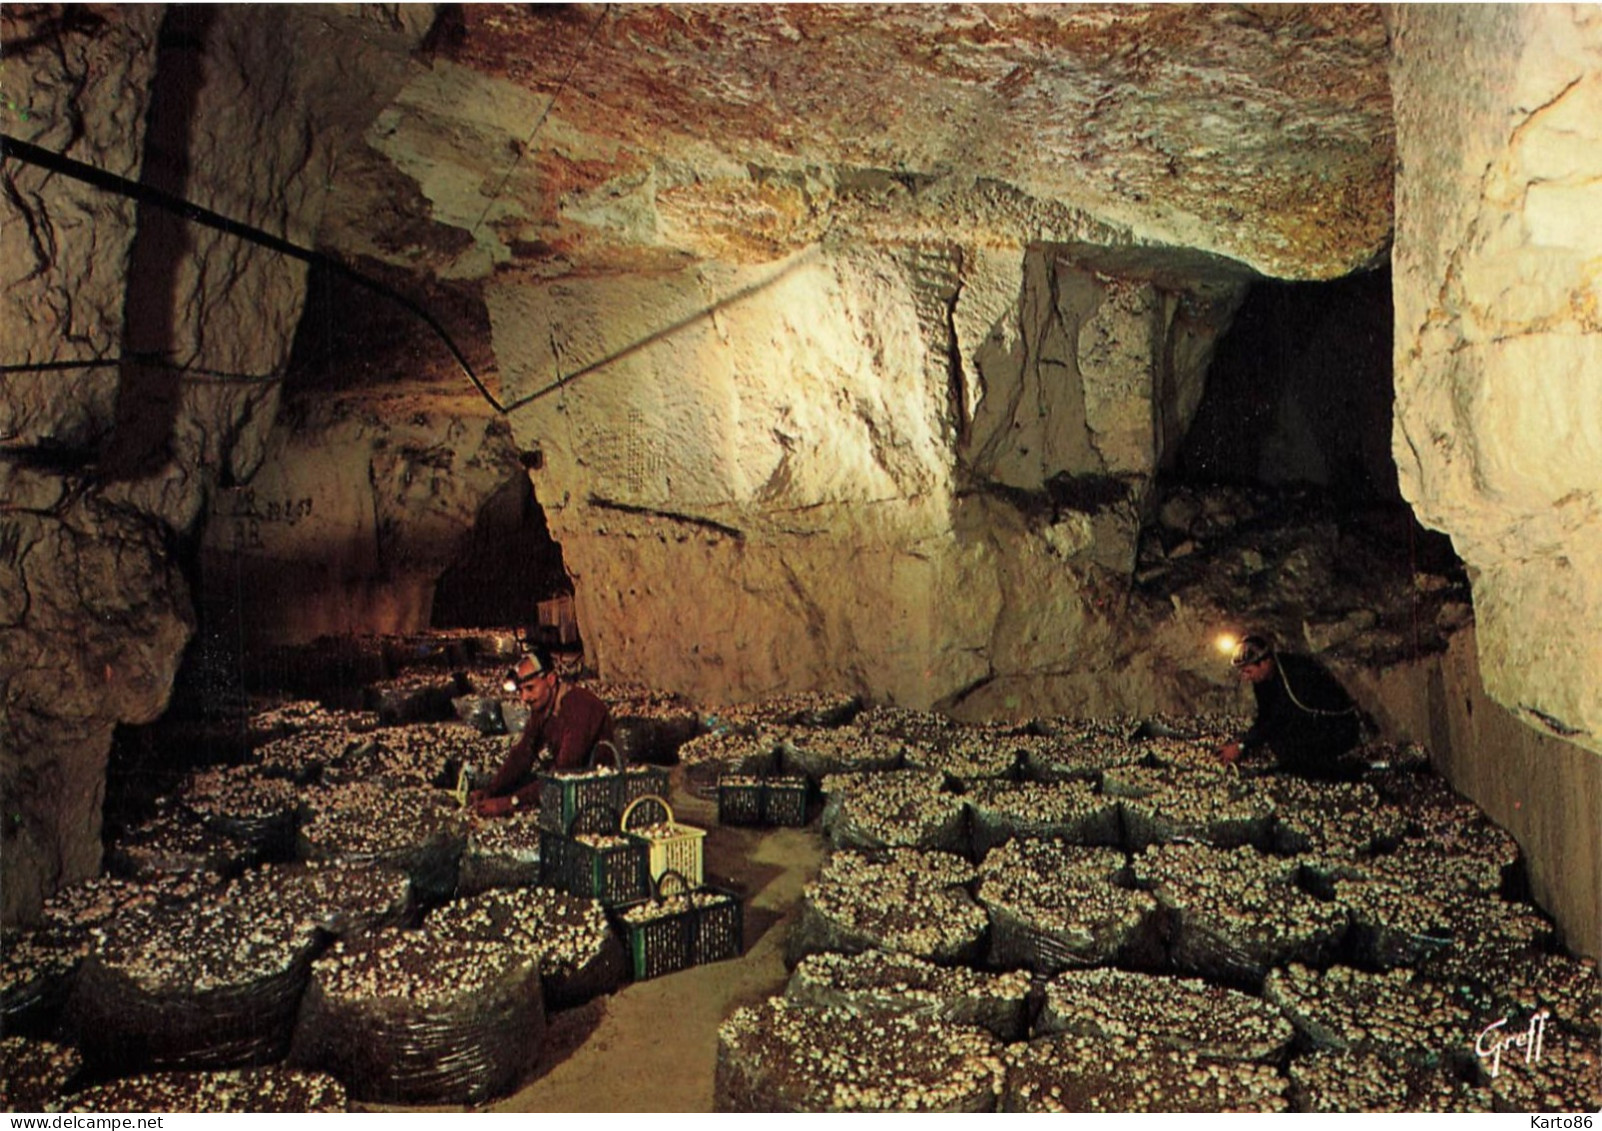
1498	348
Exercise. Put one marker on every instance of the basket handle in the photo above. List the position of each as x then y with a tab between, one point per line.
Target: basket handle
658	895
593	807
623	821
619	762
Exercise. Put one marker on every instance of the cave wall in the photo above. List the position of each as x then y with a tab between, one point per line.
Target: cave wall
767	480
1498	349
107	467
1543	790
357	509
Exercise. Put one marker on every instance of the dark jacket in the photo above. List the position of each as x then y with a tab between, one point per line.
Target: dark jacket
578	721
1305	716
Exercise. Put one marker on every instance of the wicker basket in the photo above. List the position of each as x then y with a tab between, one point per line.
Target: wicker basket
671	847
747	800
612	873
679	927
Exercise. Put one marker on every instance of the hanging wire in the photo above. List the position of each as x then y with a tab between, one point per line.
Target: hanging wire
18	149
545	113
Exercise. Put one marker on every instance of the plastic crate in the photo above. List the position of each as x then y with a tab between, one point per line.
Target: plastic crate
612	872
693	927
641	781
744	799
670	846
563	795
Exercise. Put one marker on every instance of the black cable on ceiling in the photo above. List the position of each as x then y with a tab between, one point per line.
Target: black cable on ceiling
152	360
545	113
31	154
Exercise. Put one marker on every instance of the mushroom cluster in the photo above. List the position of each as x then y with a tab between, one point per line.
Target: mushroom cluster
242	1090
1054	905
1343	1081
784	1056
305	716
901	900
422	755
36	1072
1068	1072
895	809
1393	1014
877	981
1187	1013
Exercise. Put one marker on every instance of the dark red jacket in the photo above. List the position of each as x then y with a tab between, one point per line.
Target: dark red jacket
579	720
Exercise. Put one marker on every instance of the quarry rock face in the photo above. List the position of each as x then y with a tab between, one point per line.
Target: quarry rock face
1498	276
182	332
849	338
755	499
355	512
747	132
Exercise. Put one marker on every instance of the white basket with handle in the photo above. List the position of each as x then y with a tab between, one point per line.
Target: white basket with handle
648	820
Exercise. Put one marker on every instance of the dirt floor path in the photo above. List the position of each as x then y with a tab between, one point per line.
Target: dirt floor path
652	1046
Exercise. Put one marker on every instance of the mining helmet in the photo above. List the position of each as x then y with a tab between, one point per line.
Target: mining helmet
1250	650
534	664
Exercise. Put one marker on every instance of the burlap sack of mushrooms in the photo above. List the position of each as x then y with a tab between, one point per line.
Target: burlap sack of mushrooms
270	1090
1070	811
878	982
209	984
39	966
1184	1013
1234	914
414	830
580	956
894	809
1053	906
900	900
174	840
706	758
409	1017
782	1056
501	852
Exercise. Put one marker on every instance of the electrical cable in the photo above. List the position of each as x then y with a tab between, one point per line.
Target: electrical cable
31	154
545	113
1285	683
154	361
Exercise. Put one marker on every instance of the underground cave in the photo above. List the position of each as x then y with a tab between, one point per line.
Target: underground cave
882	408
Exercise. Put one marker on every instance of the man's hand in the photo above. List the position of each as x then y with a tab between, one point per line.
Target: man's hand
1229	753
492	806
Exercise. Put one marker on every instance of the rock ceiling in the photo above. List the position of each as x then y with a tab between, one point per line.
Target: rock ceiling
550	140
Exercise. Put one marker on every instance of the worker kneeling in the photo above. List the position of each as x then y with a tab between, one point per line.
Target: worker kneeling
1303	713
565	722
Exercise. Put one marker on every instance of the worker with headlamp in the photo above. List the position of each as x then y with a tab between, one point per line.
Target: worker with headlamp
1303	713
567	721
